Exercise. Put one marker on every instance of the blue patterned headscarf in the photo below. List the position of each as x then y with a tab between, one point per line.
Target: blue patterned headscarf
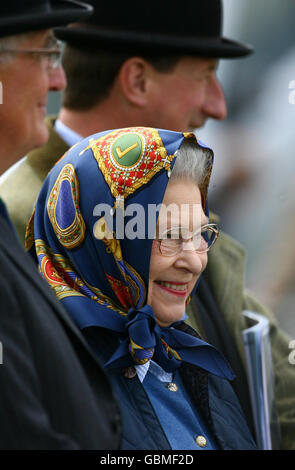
102	280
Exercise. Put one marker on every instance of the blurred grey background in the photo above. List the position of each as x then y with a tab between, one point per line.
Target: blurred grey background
253	186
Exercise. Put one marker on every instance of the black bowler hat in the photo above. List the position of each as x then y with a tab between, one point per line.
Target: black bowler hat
17	17
191	27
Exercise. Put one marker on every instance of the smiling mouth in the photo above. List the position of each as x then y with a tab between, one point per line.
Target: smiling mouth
177	288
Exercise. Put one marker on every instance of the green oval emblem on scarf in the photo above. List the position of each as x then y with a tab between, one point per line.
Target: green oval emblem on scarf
127	150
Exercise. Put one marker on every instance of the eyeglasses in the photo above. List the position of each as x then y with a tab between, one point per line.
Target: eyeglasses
51	55
174	240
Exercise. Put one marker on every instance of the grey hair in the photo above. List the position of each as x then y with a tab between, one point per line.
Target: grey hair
10	42
192	163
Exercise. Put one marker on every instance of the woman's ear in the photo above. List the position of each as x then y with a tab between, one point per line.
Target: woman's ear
134	80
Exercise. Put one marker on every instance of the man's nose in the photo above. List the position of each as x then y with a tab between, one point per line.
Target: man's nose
215	105
57	79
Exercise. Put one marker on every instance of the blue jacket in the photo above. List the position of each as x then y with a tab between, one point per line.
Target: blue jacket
214	398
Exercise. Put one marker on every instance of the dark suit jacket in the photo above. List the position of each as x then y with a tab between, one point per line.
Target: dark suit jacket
53	393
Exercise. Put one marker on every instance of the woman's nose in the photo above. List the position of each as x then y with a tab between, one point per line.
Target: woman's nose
190	260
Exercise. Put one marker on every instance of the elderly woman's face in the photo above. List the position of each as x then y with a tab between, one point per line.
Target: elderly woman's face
172	278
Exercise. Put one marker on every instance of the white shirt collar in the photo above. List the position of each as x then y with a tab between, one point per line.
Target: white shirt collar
160	373
68	135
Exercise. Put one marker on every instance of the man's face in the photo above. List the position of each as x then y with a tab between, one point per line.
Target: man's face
26	80
185	97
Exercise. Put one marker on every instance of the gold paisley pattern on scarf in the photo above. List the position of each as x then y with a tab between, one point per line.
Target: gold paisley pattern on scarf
64	199
60	274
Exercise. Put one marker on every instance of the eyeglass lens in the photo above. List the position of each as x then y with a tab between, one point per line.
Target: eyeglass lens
199	242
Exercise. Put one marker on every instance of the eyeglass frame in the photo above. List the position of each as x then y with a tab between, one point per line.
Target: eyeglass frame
213	227
52	64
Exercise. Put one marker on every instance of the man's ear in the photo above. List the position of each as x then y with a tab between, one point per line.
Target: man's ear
134	80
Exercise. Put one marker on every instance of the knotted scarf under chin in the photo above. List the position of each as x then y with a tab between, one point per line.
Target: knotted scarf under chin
144	340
